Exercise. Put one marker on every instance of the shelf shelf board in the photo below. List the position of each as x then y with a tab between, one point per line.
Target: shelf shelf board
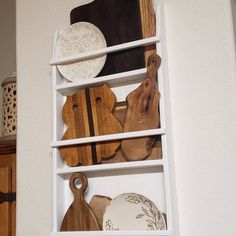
111	167
108	137
115	233
103	51
122	78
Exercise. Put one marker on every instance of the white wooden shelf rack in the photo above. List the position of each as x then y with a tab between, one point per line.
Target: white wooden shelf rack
149	177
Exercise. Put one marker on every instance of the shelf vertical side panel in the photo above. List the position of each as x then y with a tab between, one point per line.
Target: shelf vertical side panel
167	142
54	138
54	192
162	89
57	125
54	100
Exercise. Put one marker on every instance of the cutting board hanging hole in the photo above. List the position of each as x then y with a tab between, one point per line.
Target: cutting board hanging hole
98	100
75	108
78	183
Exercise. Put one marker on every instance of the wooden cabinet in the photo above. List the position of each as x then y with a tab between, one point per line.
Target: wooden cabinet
7	187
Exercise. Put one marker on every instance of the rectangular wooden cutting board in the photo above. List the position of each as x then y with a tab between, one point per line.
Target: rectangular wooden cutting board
120	22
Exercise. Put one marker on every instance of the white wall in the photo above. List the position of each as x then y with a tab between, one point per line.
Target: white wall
202	85
36	23
7	43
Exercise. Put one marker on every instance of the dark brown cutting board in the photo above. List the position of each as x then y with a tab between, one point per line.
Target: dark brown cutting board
79	216
89	112
120	22
142	113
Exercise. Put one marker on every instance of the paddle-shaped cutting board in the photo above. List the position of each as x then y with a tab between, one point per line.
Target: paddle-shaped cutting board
89	112
142	113
79	216
120	22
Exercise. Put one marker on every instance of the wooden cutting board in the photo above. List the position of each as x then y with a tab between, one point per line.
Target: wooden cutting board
142	113
148	22
89	112
79	216
120	22
98	205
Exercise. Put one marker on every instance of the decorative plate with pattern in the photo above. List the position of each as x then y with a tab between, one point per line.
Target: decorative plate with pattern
131	211
78	38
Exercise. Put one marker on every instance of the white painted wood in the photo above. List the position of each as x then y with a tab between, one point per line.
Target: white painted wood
54	100
123	78
109	137
103	51
166	122
115	233
149	177
146	164
163	88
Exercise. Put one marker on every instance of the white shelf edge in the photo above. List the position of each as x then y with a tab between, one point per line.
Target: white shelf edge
112	166
123	77
103	51
115	233
108	137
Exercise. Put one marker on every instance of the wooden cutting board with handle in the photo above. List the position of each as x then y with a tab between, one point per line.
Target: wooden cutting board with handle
79	216
142	113
89	112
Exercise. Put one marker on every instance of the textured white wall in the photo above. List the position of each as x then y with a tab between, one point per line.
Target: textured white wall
201	51
202	85
7	44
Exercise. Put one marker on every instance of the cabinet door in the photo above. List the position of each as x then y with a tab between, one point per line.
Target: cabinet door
7	185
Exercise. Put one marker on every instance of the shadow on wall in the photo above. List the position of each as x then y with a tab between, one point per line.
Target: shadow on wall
233	2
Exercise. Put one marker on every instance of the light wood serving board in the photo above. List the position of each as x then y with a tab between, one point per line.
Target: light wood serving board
98	205
89	112
142	113
148	22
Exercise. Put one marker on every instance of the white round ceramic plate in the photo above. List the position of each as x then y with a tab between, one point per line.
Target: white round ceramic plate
131	211
78	38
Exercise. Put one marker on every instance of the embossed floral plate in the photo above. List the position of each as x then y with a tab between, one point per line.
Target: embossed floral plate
131	211
78	38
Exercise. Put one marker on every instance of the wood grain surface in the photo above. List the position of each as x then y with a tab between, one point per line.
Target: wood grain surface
79	216
148	22
8	185
120	22
89	112
98	205
142	113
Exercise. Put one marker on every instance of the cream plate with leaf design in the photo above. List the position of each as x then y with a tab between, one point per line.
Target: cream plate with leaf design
131	211
75	39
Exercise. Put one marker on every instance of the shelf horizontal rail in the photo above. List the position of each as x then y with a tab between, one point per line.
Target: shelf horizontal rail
114	79
115	233
103	51
112	167
109	137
